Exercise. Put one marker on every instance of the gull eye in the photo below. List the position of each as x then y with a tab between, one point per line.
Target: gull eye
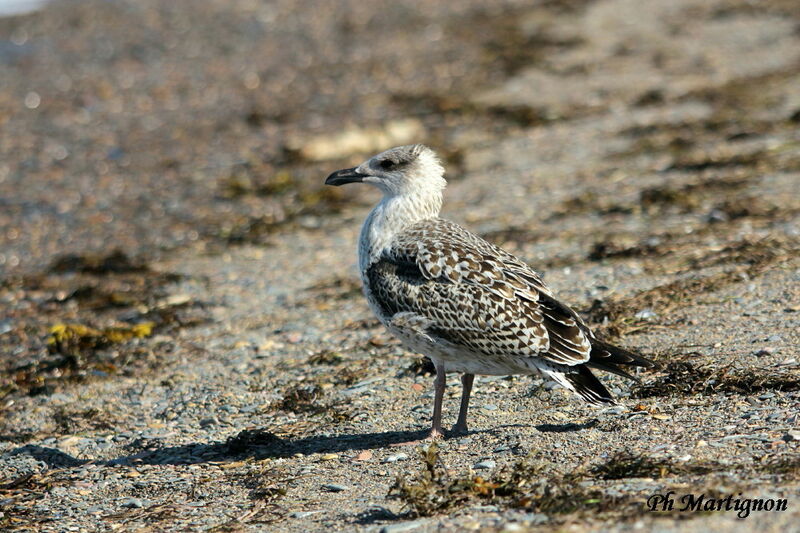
386	164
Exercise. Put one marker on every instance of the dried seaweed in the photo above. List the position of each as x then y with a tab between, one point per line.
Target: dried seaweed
116	262
617	317
266	481
326	357
626	464
527	484
685	378
75	340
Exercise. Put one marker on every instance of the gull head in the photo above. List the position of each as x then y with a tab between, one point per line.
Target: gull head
401	171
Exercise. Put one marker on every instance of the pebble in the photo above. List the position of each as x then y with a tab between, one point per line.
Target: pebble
132	503
717	215
535	518
485	509
206	422
333	487
395	457
403	526
645	314
488	464
489	407
764	351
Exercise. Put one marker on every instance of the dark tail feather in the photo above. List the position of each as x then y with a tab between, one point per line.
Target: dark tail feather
589	387
607	357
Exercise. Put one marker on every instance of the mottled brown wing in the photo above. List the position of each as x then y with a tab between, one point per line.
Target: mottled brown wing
475	297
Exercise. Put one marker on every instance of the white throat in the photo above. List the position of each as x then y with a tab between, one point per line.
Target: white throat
389	218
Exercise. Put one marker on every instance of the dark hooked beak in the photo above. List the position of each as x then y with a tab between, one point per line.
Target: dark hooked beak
346	175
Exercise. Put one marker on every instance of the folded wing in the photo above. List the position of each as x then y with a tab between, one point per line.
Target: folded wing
476	295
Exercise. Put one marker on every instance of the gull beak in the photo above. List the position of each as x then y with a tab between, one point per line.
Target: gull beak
346	175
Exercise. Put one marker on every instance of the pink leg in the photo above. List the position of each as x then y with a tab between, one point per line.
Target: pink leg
438	387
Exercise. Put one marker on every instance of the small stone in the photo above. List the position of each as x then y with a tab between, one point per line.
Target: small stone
329	457
132	503
717	215
302	514
645	314
333	487
489	407
206	422
366	455
535	518
395	457
774	338
764	351
403	526
488	464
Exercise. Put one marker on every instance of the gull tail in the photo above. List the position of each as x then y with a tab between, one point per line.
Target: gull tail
605	357
609	358
589	387
581	380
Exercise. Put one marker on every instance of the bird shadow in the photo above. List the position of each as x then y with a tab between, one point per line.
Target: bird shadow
52	457
568	427
255	443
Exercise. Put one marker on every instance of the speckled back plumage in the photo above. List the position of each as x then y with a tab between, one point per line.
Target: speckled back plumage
475	296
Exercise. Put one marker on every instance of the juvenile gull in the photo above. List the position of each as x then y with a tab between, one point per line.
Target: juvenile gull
468	305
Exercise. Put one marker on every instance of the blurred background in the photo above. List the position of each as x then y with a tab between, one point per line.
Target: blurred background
148	125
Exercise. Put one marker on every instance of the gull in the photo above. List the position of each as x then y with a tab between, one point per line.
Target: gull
466	304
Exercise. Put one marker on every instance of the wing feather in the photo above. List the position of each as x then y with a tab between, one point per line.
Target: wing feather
476	295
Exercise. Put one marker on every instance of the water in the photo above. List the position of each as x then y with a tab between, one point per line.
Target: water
19	7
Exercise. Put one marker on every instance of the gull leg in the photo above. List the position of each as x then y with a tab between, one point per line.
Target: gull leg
461	424
438	387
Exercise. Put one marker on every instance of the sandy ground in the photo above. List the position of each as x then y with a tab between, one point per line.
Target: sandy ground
183	342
